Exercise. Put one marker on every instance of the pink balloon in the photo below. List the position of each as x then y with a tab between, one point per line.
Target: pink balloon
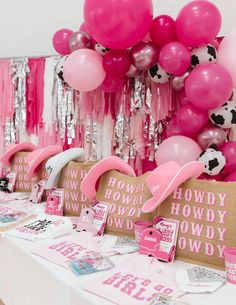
231	177
113	84
183	99
175	58
144	55
229	151
226	55
179	149
208	86
83	28
212	135
83	70
116	62
162	30
80	40
191	119
61	41
174	129
118	24
198	23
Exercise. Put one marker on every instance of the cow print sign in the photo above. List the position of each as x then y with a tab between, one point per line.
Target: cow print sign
158	74
213	160
203	55
224	116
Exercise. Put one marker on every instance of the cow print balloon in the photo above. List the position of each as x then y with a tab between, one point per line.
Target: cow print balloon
213	160
224	116
203	55
158	74
101	49
60	67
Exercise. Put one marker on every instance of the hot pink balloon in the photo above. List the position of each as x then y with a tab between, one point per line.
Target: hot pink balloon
175	58
198	23
83	28
191	119
174	129
83	70
113	84
209	86
211	135
118	24
229	151
231	177
61	41
179	149
162	30
116	62
144	55
208	177
226	55
183	99
80	40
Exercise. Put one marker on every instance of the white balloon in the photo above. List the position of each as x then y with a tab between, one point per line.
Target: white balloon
213	160
203	55
224	116
158	74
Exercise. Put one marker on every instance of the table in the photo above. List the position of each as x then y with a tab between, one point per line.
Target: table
26	279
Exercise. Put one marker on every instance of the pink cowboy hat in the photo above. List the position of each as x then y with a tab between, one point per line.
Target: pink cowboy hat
88	185
36	157
12	149
166	178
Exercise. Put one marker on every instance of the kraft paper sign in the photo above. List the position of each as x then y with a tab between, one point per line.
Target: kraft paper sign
71	178
126	196
207	214
19	166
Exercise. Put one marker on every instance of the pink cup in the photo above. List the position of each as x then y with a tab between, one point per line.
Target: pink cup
230	264
139	227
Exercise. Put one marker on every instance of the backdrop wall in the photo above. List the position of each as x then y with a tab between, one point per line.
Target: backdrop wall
26	27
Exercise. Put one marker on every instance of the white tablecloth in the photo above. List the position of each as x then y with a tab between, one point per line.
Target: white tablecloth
26	279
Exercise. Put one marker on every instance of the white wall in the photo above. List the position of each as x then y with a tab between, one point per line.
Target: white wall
26	26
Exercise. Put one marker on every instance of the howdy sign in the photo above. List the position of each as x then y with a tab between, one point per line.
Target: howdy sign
207	214
71	178
126	196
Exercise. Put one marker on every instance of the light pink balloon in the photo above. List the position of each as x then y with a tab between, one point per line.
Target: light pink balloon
226	55
212	135
61	41
209	86
83	70
118	24
179	149
191	119
175	58
198	23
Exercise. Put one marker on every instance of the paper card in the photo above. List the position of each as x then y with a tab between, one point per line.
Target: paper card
165	300
169	229
37	191
90	264
12	181
100	217
55	202
13	215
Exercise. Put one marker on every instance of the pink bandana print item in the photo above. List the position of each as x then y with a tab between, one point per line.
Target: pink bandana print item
134	282
69	248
